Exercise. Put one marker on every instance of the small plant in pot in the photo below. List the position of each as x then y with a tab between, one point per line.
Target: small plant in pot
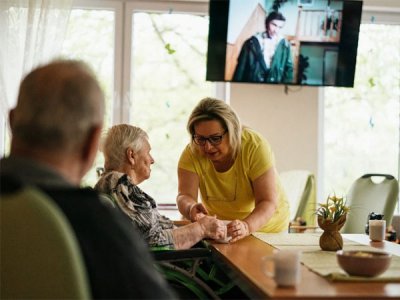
331	218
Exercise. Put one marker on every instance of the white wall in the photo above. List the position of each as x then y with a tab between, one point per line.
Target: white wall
288	121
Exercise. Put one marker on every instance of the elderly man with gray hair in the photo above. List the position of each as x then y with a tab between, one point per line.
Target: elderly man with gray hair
56	127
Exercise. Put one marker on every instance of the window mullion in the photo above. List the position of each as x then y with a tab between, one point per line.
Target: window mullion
118	64
124	97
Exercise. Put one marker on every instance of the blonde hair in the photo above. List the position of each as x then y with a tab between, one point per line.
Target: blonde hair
214	109
117	140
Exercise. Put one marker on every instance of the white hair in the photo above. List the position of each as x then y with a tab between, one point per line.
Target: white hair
117	140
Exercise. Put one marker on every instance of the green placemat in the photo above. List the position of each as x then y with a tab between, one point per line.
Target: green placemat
324	263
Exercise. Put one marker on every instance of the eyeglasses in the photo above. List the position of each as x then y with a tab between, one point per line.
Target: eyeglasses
213	140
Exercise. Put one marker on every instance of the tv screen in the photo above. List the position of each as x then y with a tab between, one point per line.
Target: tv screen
293	42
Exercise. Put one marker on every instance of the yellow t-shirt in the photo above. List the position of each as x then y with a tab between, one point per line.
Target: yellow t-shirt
229	195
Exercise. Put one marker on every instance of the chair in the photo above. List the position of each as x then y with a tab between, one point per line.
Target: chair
40	256
366	196
300	189
183	269
190	272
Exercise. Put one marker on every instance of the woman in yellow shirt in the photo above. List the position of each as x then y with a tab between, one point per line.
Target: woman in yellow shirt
233	167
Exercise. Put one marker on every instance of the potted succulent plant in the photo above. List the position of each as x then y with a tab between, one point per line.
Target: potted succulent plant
331	218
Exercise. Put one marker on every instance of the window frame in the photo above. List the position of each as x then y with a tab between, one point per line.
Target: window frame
131	7
118	8
370	15
123	37
124	11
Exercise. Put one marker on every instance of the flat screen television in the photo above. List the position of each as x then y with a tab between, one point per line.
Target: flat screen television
291	42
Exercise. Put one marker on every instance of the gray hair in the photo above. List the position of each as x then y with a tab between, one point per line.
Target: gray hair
214	109
117	140
58	105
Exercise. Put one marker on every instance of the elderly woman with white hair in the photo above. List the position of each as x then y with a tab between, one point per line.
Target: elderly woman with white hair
127	156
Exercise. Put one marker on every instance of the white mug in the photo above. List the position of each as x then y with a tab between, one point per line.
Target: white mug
286	267
377	230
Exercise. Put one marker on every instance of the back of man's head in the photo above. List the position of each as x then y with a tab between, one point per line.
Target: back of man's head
58	105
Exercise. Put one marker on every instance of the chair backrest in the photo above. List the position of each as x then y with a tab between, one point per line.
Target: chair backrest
300	189
40	256
366	195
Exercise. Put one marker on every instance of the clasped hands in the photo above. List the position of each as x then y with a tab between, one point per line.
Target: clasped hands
217	229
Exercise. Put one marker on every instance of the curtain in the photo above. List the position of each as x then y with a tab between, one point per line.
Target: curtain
31	34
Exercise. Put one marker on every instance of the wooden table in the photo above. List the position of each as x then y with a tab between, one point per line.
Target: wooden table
242	262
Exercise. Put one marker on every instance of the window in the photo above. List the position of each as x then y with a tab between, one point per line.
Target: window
90	37
152	68
98	26
362	124
167	80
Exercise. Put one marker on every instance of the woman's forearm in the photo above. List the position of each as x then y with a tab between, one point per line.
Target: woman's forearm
185	203
262	212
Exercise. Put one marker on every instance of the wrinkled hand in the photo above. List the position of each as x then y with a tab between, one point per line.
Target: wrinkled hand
197	211
237	229
212	227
